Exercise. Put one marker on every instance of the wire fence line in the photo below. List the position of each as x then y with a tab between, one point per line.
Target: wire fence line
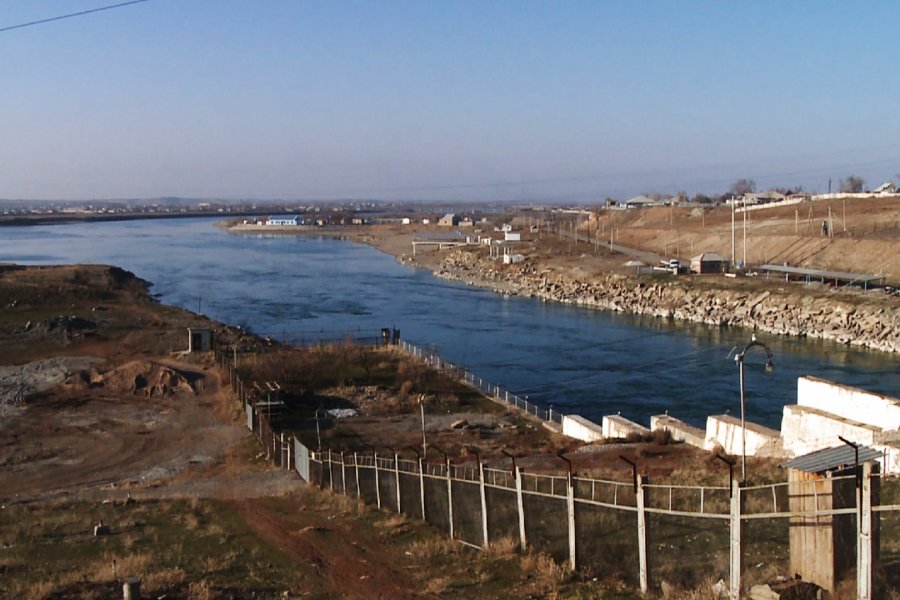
495	391
638	532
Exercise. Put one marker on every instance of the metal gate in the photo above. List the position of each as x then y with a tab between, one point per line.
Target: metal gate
301	459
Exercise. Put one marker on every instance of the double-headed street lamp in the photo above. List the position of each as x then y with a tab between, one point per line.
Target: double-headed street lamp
770	366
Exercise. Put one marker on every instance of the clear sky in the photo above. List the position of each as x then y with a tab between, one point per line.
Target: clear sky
444	100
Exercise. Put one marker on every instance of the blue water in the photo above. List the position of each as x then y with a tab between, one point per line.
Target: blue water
583	361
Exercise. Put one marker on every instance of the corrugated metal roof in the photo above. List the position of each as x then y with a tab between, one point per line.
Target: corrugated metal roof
821	273
830	459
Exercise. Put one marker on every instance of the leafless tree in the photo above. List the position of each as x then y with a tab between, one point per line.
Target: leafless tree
852	184
743	186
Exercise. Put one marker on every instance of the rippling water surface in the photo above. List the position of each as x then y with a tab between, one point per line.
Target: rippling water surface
579	360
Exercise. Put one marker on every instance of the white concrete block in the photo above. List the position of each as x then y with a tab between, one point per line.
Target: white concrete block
680	431
578	427
725	430
849	403
806	429
617	426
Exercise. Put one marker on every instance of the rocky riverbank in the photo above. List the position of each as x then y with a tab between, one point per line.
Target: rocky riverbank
792	310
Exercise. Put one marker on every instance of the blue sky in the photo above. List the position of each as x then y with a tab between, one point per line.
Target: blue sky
453	100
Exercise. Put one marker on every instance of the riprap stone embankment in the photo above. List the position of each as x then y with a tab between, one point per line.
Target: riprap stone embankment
780	311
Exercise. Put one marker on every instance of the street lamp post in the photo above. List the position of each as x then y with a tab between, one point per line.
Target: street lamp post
770	366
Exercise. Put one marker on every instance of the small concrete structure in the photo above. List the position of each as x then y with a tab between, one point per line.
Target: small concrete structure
709	262
826	410
679	430
578	427
448	220
512	236
617	426
199	339
725	431
512	259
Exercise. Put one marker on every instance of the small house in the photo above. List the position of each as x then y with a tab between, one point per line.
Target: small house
888	187
709	262
448	220
282	220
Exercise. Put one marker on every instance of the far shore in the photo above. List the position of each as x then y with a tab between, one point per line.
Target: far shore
597	279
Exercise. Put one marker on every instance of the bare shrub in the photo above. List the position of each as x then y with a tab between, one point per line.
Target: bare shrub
544	568
200	590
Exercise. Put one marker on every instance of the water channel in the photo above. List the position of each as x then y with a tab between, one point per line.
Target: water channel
579	360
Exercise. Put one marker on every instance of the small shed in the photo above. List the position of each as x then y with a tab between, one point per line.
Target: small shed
709	262
512	236
448	220
823	544
199	339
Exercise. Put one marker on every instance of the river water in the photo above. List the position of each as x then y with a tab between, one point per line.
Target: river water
581	361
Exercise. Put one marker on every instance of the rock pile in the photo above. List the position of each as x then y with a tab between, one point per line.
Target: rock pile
786	312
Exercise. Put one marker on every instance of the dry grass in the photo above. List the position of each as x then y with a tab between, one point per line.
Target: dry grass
544	568
157	583
501	548
200	590
435	547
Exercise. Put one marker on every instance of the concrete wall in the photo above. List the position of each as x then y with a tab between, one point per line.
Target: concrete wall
617	426
849	403
679	430
807	429
580	428
725	431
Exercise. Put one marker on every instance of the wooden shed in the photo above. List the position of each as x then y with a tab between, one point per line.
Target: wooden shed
823	545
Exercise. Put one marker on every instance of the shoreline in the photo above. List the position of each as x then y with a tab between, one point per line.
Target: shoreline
855	318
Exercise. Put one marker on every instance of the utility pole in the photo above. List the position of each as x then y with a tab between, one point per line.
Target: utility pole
732	233
744	259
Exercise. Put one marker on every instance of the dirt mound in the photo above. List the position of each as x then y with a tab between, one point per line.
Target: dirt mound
20	381
151	379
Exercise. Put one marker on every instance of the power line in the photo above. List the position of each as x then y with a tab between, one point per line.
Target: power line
70	15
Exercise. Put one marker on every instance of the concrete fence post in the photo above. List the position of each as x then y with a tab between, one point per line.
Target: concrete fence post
397	479
422	486
520	507
377	484
450	498
484	515
864	533
343	473
735	537
330	471
570	513
639	491
356	468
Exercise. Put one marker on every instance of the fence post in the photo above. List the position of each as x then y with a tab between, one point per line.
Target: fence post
484	516
520	507
330	471
397	479
735	536
356	468
864	533
570	509
343	473
422	487
377	484
642	531
450	498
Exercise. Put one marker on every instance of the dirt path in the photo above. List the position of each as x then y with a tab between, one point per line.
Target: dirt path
351	564
93	441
